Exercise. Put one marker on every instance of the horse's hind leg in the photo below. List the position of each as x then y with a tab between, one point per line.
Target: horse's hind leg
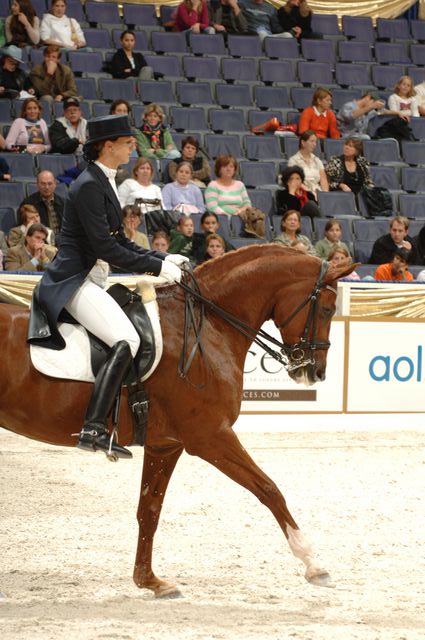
227	454
158	466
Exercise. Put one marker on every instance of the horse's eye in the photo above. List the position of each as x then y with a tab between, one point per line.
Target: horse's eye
326	312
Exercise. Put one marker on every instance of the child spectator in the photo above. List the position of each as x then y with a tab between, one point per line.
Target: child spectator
160	241
397	269
331	241
214	246
210	224
340	256
403	101
131	220
182	195
182	237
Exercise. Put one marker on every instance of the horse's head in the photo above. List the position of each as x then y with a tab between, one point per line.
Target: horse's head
305	327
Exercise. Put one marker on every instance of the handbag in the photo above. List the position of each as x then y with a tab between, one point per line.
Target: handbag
157	219
378	201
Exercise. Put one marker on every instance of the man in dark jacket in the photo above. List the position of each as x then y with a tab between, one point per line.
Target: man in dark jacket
12	79
385	246
51	79
226	16
68	133
49	205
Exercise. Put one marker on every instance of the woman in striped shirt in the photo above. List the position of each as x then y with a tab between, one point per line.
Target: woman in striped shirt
225	195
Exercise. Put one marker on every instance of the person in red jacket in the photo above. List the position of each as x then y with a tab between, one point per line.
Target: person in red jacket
192	16
319	117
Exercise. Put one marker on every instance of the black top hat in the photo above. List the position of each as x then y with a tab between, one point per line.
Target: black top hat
108	128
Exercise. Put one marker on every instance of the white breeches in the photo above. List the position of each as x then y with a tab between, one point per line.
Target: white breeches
96	310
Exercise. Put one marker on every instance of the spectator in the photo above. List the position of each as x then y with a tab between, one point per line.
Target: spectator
28	216
210	224
403	102
226	17
214	246
290	226
262	19
385	246
295	18
120	107
315	178
68	134
126	63
141	186
354	116
319	117
182	195
331	241
420	97
200	166
154	139
3	248
131	221
29	132
160	241
294	195
350	171
397	269
34	254
192	16
5	175
12	79
57	29
49	205
225	195
340	256
51	79
22	26
182	236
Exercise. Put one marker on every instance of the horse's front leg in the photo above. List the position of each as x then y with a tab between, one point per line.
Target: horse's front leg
227	454
158	466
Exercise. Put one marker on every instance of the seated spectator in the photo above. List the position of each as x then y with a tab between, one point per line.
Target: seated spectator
385	246
57	29
295	18
28	215
420	97
319	117
403	102
5	175
192	16
226	17
225	195
120	107
68	134
262	19
291	226
351	170
49	205
182	195
131	221
22	27
51	79
126	63
294	195
397	269
12	79
210	224
214	246
141	186
160	241
181	237
340	256
200	166
29	132
34	254
3	244
154	139
331	241
315	178
354	116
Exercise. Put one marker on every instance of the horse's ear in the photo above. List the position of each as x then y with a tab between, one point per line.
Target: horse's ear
334	272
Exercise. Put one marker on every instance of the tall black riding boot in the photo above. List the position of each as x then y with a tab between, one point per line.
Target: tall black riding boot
94	434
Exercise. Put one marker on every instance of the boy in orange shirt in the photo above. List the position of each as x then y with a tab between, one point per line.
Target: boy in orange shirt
397	269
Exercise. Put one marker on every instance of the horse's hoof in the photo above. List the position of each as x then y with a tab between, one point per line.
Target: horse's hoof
321	580
170	592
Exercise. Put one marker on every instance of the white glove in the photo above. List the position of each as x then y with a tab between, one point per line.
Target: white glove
170	272
177	259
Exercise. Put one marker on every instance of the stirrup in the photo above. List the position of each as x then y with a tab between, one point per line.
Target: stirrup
96	437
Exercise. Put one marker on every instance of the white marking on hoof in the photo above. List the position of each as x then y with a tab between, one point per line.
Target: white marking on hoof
171	593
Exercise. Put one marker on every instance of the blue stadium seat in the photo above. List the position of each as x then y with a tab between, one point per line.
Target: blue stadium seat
194	93
111	89
156	91
234	95
355	51
258	174
241	69
262	199
167	42
168	65
417	27
394	29
98	38
7	218
85	61
219	144
413	179
271	97
332	147
227	120
21	165
336	204
358	28
341	96
413	152
263	148
11	193
244	46
384	151
102	12
143	15
316	73
352	74
417	53
201	68
362	250
257	117
301	97
412	205
207	44
369	230
56	163
385	76
276	71
326	24
391	53
188	119
318	50
74	9
286	48
387	177
87	88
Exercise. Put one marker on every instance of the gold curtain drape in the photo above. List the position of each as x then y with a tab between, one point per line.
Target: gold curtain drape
375	9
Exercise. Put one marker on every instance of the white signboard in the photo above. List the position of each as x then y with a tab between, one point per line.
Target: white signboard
386	367
269	389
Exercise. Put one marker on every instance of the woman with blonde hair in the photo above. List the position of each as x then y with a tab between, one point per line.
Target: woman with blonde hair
319	117
295	18
154	139
192	16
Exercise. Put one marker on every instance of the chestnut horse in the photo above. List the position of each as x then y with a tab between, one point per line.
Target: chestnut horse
193	413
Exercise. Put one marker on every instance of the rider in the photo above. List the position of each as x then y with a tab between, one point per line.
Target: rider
92	235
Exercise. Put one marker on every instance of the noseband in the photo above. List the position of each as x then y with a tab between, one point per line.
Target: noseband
292	357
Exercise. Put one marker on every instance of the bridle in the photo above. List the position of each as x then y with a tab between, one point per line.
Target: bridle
292	357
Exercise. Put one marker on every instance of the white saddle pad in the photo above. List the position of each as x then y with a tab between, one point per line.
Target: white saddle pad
73	362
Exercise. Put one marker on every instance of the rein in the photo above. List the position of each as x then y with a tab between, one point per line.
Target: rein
292	357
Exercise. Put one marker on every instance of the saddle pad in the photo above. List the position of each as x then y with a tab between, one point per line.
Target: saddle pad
74	362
